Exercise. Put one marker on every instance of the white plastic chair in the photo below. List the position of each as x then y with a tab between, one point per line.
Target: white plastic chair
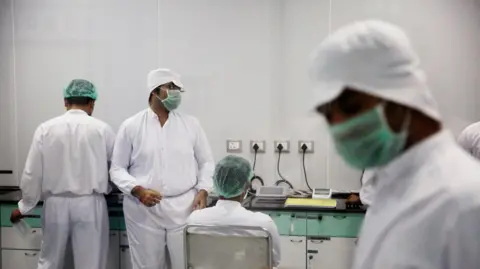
227	247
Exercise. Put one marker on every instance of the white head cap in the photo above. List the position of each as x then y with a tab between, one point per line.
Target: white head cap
374	57
161	76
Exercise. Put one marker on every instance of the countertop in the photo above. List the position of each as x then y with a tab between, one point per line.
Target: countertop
11	195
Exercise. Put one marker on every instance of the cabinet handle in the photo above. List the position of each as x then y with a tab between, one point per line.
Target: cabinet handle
32	216
319	218
296	240
123	249
113	234
124	235
30	254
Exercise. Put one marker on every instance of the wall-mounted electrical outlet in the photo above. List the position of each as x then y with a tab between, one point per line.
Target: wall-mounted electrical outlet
308	144
285	146
260	144
234	146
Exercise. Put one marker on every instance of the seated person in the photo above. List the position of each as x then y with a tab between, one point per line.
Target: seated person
231	181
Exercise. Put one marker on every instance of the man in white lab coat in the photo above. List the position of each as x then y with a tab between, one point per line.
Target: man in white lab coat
231	181
163	163
381	115
67	167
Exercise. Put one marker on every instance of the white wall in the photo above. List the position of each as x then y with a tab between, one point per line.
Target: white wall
7	149
243	61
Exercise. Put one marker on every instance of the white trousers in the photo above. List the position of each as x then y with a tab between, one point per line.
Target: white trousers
83	220
152	237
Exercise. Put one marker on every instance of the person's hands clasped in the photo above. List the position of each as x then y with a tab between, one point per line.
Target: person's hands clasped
200	200
148	197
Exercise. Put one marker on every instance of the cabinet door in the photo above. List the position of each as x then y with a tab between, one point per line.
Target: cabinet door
293	252
13	239
123	238
125	262
19	259
330	253
113	261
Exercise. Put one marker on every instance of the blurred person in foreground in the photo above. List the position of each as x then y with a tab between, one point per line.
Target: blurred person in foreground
163	163
67	167
231	180
469	139
381	115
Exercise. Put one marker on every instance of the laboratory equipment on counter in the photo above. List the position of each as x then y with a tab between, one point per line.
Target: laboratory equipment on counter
273	192
270	197
321	193
229	246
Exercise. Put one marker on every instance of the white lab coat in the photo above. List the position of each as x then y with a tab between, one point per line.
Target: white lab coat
469	139
426	212
368	187
174	160
67	166
232	213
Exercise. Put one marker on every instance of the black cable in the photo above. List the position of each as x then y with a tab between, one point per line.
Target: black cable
282	180
254	157
255	177
305	169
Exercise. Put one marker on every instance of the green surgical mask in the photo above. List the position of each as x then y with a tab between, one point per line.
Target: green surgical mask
173	100
367	141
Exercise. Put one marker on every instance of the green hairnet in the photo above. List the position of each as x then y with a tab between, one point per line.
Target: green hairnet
80	88
232	174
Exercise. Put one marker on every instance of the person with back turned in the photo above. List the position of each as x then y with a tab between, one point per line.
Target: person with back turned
67	167
231	180
374	95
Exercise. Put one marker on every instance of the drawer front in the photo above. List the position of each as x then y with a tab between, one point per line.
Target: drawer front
298	225
341	225
123	238
13	239
289	224
282	221
6	211
19	259
334	225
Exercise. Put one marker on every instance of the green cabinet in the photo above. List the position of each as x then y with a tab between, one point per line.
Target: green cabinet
317	224
6	210
334	224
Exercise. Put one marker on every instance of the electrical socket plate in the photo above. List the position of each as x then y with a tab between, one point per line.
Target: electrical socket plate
309	144
285	144
261	146
234	146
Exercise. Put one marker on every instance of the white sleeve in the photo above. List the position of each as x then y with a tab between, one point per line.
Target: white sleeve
465	142
276	251
110	141
120	162
463	241
368	187
32	177
203	155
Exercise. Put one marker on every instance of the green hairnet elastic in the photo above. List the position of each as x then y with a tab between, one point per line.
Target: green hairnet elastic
80	88
232	175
